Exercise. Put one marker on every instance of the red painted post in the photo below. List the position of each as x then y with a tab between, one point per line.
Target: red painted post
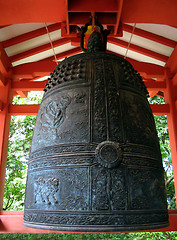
170	96
4	135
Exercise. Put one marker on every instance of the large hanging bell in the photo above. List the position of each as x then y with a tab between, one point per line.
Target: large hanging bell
95	162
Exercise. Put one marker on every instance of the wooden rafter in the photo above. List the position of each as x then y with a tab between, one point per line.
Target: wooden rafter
30	35
67	53
5	64
39	49
172	62
138	49
149	35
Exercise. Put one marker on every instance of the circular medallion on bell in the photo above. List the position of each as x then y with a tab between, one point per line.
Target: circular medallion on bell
108	154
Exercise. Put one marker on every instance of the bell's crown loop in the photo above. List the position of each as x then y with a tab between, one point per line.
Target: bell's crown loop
98	39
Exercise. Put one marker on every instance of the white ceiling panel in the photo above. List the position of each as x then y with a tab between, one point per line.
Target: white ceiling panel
142	58
33	43
116	49
151	45
45	54
158	29
19	29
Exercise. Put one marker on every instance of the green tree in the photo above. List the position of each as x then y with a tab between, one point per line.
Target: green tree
162	130
20	136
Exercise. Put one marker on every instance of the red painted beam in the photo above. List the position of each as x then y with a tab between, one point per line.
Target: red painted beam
5	99
67	53
75	41
153	11
2	80
149	35
155	85
160	109
170	96
30	35
28	86
15	11
1	106
172	62
23	94
23	109
12	222
138	49
49	11
5	64
92	6
40	68
157	109
34	69
39	49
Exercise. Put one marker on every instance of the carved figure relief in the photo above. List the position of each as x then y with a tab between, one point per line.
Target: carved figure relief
55	113
108	184
118	189
138	120
44	190
100	189
68	191
74	189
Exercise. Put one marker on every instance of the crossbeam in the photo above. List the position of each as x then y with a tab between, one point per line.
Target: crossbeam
149	35
172	62
30	35
5	64
39	49
23	109
28	86
157	109
155	85
2	80
138	49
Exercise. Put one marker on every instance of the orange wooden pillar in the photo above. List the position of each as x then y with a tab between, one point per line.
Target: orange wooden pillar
4	133
170	95
171	99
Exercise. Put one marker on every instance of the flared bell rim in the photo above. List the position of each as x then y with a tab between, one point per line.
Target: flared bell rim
96	229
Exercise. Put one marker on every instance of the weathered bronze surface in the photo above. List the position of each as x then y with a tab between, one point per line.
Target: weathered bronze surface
95	162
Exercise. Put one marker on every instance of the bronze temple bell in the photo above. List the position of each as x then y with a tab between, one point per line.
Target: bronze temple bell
95	162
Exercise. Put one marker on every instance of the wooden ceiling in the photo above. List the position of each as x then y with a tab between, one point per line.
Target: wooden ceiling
35	35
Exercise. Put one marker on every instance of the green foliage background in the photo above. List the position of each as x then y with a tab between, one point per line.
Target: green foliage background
105	236
162	130
20	136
